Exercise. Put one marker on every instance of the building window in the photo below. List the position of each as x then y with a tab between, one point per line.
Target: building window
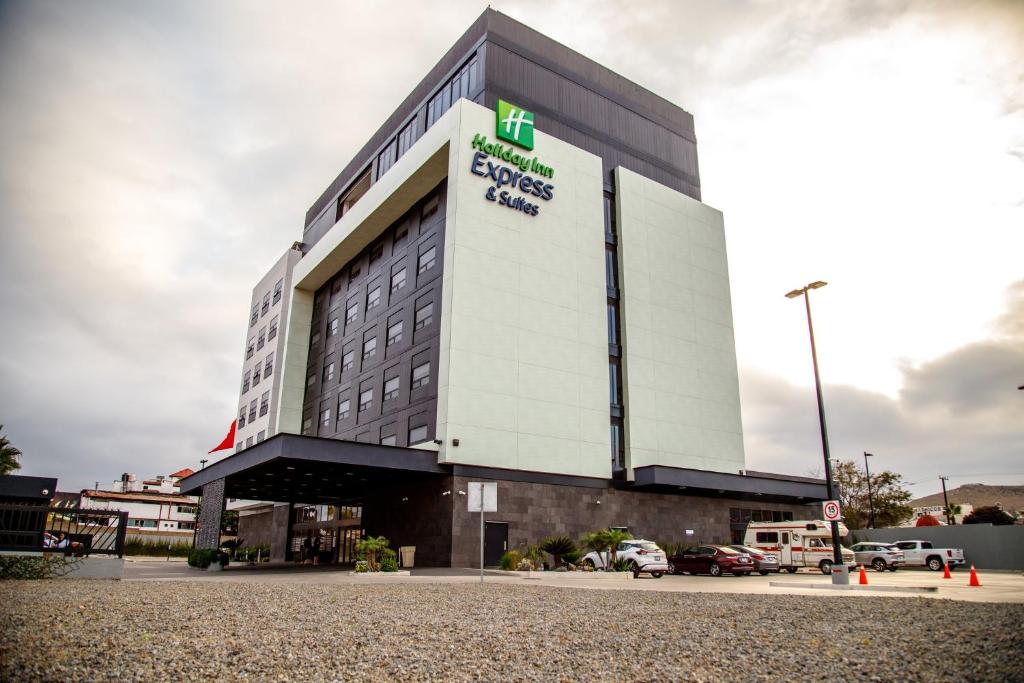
461	85
376	253
365	399
314	338
266	304
311	380
390	440
307	425
408	136
424	315
278	289
248	442
329	372
261	340
255	314
264	403
391	389
344	408
241	417
613	324
352	312
616	443
421	375
250	348
272	332
354	273
609	217
348	359
609	268
268	366
429	209
238	446
256	373
386	159
398	280
395	333
332	327
370	348
614	385
252	410
400	235
373	298
417	435
325	417
427	260
245	381
261	436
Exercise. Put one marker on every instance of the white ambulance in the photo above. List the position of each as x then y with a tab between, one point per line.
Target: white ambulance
801	543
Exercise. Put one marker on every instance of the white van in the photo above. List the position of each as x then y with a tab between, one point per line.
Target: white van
799	543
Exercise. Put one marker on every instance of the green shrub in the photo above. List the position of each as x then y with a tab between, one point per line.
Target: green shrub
361	567
574	557
557	546
388	560
34	566
509	561
251	552
622	564
136	546
369	549
204	557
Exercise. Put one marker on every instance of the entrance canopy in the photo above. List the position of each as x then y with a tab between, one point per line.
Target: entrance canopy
291	468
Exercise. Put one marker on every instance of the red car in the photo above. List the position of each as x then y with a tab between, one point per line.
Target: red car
711	559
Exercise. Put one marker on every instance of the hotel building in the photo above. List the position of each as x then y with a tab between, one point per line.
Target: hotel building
514	280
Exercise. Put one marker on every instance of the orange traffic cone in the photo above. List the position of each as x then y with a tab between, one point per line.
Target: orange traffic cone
945	571
974	579
863	576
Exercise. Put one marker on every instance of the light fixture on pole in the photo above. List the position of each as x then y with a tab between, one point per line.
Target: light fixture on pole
837	556
871	503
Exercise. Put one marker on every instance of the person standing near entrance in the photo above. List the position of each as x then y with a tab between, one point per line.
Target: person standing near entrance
316	548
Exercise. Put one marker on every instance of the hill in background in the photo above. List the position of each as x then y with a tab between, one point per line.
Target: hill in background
1009	497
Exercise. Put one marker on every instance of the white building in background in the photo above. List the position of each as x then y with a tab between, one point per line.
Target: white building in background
939	513
153	505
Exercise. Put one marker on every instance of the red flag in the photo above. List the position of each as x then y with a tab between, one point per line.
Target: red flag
229	440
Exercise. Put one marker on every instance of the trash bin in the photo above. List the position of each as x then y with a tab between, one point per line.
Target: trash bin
407	555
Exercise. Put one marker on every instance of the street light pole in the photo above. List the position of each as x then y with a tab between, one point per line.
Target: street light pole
837	556
871	503
945	498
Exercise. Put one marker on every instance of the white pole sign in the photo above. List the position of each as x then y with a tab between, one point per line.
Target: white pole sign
483	497
831	510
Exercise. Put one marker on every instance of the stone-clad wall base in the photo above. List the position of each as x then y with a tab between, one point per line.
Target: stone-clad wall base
534	511
256	529
417	514
210	511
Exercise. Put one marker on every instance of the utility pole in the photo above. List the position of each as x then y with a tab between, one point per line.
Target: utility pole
871	503
945	499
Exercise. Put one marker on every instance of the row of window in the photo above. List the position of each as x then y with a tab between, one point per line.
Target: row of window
259	310
266	334
419	378
251	378
260	437
262	405
738	516
614	353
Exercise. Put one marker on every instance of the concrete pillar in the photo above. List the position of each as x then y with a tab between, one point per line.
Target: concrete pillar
210	511
280	532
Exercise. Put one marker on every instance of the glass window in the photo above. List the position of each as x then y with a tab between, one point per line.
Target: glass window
325	417
616	444
421	375
328	372
245	380
355	272
417	435
264	403
261	339
401	234
610	274
261	435
278	289
348	358
389	440
613	384
268	365
613	324
352	312
376	252
252	410
609	214
373	298
255	314
250	348
767	537
266	304
369	348
365	399
391	389
332	327
398	280
344	407
408	136
241	417
273	328
429	209
427	260
386	159
310	380
395	333
256	374
424	315
307	425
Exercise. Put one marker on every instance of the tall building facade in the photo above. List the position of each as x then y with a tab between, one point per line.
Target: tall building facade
514	280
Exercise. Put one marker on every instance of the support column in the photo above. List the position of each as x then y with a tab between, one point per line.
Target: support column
210	512
280	532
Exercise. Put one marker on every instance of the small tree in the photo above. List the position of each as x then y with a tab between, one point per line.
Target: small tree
989	514
370	548
558	546
889	496
615	537
595	540
8	455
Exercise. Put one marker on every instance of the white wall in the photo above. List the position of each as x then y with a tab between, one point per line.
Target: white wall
523	376
681	386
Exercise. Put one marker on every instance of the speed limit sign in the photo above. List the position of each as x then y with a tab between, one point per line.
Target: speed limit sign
831	510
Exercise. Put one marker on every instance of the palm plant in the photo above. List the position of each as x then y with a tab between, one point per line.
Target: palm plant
615	537
596	541
369	548
8	455
556	546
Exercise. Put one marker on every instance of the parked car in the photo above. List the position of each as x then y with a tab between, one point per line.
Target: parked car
711	559
922	554
764	563
880	556
645	557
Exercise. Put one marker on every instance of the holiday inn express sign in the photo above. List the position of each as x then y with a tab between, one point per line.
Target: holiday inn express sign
514	125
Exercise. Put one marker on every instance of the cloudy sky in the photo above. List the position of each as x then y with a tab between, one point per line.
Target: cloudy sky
156	158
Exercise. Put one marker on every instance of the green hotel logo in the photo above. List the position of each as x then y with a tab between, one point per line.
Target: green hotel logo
515	124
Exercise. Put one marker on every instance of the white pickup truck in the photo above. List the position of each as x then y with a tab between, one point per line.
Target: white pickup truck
922	554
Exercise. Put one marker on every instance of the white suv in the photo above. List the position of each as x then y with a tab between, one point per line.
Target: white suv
644	557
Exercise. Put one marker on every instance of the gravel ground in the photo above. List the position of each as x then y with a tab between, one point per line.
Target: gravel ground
97	630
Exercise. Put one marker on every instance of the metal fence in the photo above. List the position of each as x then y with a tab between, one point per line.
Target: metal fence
71	531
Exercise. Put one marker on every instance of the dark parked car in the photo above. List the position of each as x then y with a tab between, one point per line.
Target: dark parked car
711	559
764	562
